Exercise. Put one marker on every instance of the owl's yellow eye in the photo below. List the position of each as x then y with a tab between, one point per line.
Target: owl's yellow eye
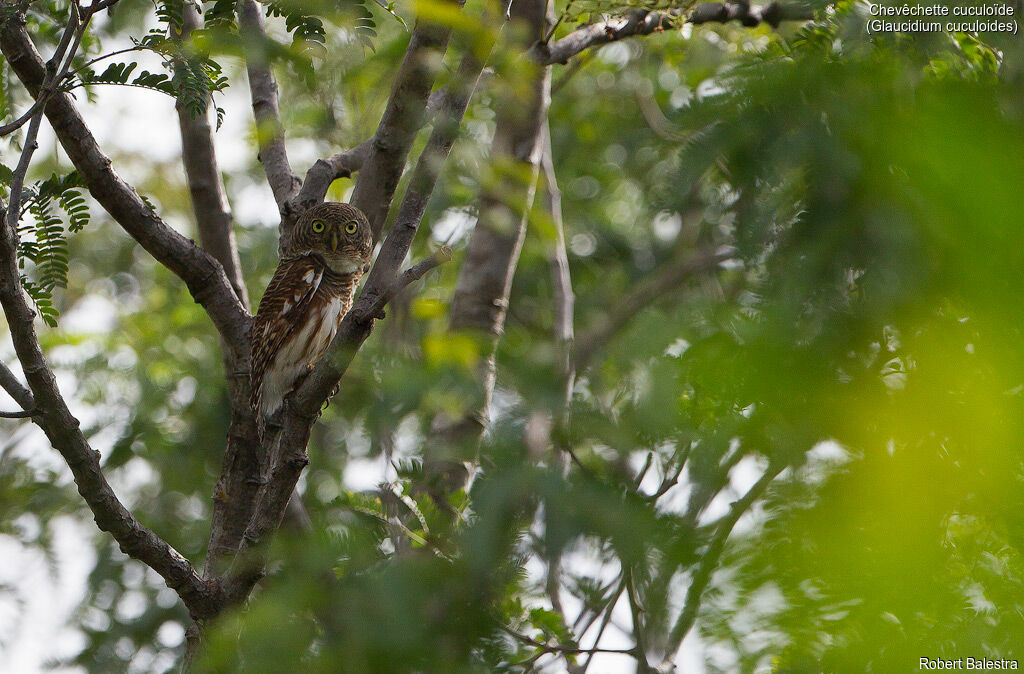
318	226
351	228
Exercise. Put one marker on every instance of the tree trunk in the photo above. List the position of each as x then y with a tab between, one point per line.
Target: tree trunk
480	301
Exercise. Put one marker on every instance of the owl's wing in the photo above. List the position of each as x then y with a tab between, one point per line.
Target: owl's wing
283	305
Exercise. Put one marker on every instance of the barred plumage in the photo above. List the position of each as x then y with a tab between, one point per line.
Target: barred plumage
310	293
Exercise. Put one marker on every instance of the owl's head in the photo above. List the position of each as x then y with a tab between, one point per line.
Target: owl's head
339	233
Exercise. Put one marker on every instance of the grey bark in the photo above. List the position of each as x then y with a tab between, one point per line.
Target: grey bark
203	275
402	119
264	94
640	22
209	201
480	300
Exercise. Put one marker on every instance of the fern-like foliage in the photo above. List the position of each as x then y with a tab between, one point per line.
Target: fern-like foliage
308	34
221	15
192	78
43	247
366	28
171	13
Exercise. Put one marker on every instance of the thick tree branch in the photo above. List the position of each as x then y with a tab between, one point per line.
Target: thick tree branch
669	279
203	275
480	300
63	431
382	284
264	93
640	22
302	409
236	489
323	172
402	119
209	202
21	395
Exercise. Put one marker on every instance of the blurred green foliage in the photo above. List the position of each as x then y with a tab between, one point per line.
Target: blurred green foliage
865	334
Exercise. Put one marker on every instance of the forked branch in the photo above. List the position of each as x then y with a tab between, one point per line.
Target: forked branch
203	275
63	431
264	93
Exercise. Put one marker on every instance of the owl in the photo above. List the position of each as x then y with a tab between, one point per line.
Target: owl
321	263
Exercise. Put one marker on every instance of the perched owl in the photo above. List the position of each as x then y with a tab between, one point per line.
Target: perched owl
310	293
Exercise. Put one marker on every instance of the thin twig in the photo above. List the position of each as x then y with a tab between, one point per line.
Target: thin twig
635	611
709	560
605	619
103	57
264	95
8	381
23	414
559	648
670	278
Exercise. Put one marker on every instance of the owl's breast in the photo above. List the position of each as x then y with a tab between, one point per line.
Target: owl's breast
316	334
301	350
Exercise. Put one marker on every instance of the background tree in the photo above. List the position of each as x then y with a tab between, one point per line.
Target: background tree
727	343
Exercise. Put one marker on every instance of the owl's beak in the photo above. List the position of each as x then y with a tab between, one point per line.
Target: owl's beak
335	240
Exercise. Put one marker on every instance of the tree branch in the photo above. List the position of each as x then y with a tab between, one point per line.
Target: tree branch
650	291
561	280
323	172
203	275
301	411
640	22
236	489
303	406
50	82
64	433
23	414
264	94
635	612
709	560
605	620
558	648
480	300
15	389
209	202
382	284
424	177
402	119
749	15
